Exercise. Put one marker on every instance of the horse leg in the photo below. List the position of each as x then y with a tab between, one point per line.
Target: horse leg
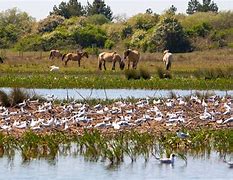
66	61
104	66
128	64
100	65
78	63
113	65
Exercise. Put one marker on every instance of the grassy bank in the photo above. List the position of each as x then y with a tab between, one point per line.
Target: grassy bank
196	70
108	82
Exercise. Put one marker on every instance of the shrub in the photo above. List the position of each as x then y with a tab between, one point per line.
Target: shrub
4	99
108	44
145	74
132	74
89	35
163	73
18	96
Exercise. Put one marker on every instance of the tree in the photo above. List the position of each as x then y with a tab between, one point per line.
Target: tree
99	7
13	25
196	6
67	10
169	34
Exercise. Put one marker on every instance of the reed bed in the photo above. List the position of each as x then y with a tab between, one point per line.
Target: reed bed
114	147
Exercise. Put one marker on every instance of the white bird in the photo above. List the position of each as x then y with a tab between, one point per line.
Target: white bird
206	115
229	120
170	160
54	68
182	135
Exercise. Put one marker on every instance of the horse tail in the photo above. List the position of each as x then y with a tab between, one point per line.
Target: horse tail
64	55
50	55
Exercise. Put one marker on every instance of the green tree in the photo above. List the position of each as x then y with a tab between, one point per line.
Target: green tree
99	7
67	10
13	25
196	6
169	34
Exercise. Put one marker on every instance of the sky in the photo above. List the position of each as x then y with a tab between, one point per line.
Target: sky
40	9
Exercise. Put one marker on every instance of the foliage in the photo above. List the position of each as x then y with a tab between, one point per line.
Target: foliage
68	10
89	36
143	21
99	7
132	74
96	19
109	44
138	39
201	30
18	95
13	25
196	6
50	23
169	34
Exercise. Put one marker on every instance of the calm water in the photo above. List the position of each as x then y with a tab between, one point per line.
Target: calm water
77	168
115	93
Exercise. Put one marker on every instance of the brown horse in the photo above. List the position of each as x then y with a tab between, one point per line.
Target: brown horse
55	54
74	57
132	56
110	57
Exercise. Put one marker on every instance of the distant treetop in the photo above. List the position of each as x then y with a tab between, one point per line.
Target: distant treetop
196	6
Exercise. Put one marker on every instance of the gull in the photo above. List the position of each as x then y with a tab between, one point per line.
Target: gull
23	125
170	160
230	163
54	68
103	125
204	104
229	120
98	106
157	102
206	115
182	135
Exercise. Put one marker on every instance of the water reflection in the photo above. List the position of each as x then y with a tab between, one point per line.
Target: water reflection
70	167
80	94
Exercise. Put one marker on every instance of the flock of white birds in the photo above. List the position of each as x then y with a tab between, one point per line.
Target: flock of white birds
168	112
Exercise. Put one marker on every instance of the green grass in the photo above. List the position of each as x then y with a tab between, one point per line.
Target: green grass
196	70
105	81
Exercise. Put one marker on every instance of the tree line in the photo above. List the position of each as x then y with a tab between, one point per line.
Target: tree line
71	25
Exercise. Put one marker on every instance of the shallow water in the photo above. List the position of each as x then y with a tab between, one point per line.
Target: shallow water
115	93
77	168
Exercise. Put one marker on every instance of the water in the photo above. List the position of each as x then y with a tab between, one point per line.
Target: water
70	167
79	94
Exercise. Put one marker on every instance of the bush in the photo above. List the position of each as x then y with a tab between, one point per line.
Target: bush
18	96
108	44
132	74
145	74
4	99
163	73
89	35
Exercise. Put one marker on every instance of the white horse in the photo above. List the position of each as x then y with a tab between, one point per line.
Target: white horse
167	59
